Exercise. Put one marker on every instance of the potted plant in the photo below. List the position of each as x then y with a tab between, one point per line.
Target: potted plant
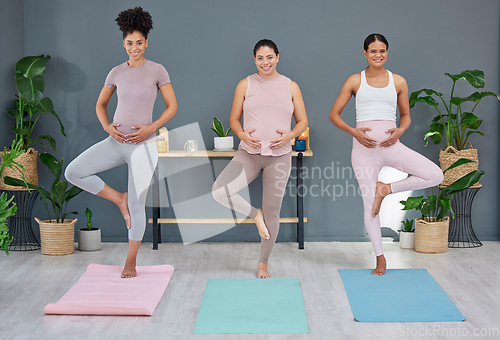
223	142
454	124
57	234
407	235
8	208
431	230
89	239
29	106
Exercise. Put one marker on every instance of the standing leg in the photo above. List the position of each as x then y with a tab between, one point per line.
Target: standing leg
274	180
142	163
238	174
367	164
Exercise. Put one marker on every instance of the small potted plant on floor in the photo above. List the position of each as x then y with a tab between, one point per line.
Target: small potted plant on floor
89	239
431	230
454	124
57	234
223	142
407	235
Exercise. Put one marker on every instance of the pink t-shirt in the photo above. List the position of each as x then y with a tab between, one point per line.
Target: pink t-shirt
136	89
267	107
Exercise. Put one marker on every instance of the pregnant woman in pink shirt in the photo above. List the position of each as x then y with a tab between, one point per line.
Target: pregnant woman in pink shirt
267	101
131	135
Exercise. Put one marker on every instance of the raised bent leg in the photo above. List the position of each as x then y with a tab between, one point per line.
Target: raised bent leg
98	158
424	173
238	174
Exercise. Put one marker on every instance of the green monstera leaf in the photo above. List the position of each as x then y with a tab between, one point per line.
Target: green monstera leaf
474	77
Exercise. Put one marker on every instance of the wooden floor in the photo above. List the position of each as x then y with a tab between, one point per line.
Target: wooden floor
29	280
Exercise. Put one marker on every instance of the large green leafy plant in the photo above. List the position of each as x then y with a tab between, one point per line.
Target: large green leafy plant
454	125
436	207
30	103
59	194
7	207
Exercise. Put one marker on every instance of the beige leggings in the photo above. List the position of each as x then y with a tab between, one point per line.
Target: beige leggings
239	173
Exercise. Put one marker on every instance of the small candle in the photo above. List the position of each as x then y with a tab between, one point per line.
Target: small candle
162	145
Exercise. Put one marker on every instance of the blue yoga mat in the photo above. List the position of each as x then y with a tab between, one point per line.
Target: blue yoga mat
401	295
252	306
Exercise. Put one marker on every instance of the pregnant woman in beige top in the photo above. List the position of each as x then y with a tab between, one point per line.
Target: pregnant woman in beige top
267	101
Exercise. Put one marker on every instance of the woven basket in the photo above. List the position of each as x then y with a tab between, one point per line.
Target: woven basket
29	161
431	237
57	238
450	155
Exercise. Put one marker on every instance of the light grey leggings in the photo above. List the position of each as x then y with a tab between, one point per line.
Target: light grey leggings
109	153
239	173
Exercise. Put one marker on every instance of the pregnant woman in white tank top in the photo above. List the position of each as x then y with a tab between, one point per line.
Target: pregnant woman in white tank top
376	143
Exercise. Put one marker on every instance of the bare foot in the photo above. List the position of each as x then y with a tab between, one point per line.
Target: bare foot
381	264
129	270
262	271
381	191
261	225
123	205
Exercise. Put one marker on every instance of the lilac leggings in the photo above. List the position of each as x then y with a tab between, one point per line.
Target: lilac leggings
239	173
367	163
107	154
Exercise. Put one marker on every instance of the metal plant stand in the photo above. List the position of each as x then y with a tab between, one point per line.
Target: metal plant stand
20	227
461	232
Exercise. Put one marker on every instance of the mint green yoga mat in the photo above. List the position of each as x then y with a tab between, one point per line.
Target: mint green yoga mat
252	306
401	295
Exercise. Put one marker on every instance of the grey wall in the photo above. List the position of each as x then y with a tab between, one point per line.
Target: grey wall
12	36
206	47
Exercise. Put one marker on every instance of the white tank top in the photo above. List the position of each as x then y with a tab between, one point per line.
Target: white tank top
373	103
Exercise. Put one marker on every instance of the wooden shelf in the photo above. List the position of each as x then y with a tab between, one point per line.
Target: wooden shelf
220	220
212	153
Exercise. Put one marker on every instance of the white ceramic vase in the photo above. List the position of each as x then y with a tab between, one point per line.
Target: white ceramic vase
223	143
407	240
89	240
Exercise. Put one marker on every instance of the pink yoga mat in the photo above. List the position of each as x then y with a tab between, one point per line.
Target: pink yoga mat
101	291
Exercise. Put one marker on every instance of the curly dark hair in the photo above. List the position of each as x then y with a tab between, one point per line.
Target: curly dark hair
135	19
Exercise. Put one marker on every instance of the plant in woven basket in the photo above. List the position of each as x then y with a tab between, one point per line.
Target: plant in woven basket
59	194
30	104
454	125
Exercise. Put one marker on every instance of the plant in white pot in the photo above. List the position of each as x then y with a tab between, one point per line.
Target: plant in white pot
89	239
223	142
57	234
407	235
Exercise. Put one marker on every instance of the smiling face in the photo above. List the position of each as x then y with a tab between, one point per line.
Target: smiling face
135	44
266	61
376	55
